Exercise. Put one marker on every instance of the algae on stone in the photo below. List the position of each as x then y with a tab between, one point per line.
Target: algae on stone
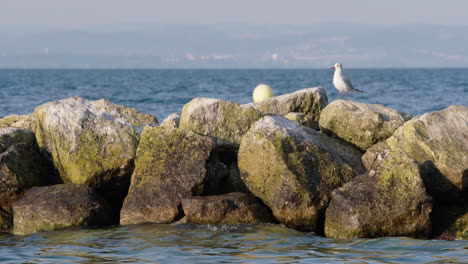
232	208
171	164
59	206
92	142
22	121
362	125
172	120
293	169
309	102
226	121
438	141
389	200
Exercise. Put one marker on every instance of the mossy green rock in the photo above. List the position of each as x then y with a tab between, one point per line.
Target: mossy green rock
362	125
22	121
309	102
21	165
59	206
232	208
438	141
226	121
171	164
91	142
293	169
389	200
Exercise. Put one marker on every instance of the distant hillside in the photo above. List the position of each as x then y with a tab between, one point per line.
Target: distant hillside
237	45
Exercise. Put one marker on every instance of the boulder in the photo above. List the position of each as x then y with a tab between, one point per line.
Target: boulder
389	200
21	165
171	164
362	125
22	121
172	120
308	101
226	121
59	206
232	208
293	169
92	142
438	141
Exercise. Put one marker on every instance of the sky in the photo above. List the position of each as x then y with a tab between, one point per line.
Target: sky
72	14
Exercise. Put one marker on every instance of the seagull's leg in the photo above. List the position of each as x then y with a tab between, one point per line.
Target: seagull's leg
339	95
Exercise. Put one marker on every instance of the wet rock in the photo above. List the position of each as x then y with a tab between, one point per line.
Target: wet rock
226	121
362	125
438	141
389	200
293	169
92	142
172	120
171	164
59	206
309	102
6	222
21	165
232	208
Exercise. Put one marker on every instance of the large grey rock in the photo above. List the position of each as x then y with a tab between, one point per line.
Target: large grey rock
232	208
59	206
92	142
362	125
226	121
293	169
171	164
389	200
438	141
309	102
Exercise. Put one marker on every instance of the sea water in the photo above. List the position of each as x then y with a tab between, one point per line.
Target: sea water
162	92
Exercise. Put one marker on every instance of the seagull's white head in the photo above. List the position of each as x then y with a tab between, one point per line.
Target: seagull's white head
337	66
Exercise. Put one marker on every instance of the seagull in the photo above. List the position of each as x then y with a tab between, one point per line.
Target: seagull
342	84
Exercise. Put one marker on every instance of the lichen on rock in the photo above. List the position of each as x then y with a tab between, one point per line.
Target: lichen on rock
226	121
389	200
293	169
362	125
309	102
171	164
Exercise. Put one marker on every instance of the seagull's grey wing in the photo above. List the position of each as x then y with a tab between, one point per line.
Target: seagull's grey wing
350	85
348	82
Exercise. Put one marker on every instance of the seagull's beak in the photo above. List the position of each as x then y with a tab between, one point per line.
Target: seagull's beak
332	68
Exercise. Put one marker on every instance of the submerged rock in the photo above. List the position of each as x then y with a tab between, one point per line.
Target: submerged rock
59	206
293	169
309	102
92	142
171	164
362	125
232	208
438	141
389	200
21	165
226	121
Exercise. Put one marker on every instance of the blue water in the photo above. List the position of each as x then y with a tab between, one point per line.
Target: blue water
161	92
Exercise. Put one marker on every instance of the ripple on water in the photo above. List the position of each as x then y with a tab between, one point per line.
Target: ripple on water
153	243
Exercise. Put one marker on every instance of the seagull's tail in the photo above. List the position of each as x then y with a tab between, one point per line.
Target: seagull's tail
357	90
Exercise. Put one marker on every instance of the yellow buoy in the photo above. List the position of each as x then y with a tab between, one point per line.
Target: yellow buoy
262	92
